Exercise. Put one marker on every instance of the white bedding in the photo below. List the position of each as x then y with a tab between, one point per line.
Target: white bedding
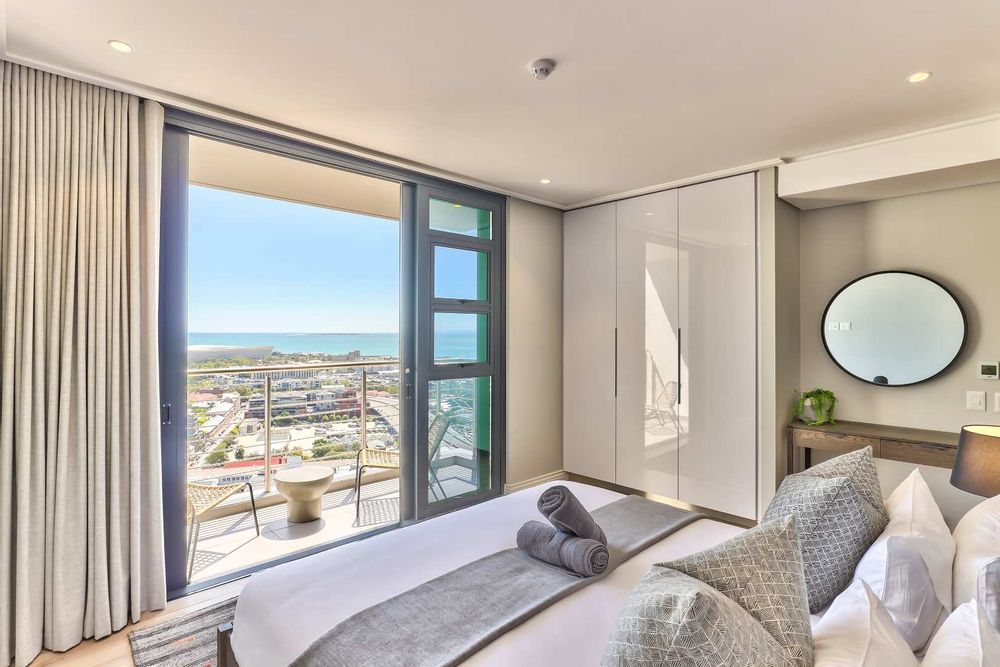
283	610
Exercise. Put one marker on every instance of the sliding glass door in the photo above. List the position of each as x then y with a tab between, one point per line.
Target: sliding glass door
320	315
460	349
291	286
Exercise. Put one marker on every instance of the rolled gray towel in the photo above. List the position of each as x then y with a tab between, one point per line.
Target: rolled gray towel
586	557
565	512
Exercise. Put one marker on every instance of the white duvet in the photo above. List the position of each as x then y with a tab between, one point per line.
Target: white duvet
283	610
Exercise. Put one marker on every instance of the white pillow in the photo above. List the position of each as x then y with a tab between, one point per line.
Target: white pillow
977	541
964	641
909	565
857	631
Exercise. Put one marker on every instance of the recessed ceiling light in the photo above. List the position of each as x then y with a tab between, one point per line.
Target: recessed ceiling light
120	46
545	181
649	213
917	77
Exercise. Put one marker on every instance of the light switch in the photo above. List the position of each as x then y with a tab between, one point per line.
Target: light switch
975	400
845	326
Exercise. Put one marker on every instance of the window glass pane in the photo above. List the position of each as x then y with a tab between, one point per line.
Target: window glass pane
461	338
458	437
461	274
457	218
296	264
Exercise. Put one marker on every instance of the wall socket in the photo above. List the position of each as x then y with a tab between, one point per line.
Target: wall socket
975	400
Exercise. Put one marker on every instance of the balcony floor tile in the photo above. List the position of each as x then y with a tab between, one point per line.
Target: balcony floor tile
230	543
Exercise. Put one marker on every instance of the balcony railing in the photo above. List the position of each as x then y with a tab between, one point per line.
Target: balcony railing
230	410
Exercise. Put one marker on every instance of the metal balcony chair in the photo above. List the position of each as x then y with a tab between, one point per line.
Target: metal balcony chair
203	497
389	460
435	436
371	458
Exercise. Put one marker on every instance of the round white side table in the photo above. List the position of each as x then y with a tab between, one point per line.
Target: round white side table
304	487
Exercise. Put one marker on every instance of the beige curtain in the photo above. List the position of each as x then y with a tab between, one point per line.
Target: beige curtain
81	530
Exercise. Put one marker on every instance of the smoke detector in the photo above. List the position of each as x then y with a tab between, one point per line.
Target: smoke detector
542	67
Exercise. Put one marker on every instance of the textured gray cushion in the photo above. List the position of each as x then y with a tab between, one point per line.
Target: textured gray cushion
839	514
739	604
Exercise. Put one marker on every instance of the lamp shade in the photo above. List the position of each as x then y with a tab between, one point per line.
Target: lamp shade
977	463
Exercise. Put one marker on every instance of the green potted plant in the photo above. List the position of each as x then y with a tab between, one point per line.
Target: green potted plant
815	407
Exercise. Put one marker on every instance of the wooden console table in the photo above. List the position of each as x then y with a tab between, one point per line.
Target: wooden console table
897	443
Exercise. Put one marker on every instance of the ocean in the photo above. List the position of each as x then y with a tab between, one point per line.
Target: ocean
448	344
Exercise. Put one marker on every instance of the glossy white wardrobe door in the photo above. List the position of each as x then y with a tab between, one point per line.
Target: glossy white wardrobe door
718	449
648	420
589	342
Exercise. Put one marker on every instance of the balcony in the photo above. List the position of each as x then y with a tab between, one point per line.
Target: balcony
246	423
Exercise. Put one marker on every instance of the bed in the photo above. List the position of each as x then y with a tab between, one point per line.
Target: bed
283	610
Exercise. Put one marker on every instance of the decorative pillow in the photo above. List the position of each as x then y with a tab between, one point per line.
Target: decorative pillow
839	513
673	619
988	592
965	640
909	566
977	540
857	631
741	603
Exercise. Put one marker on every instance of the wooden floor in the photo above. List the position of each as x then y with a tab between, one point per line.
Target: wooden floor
114	651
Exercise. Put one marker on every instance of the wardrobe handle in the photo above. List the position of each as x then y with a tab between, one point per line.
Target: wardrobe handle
679	387
615	351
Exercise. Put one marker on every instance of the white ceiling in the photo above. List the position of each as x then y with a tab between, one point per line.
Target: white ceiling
646	91
221	165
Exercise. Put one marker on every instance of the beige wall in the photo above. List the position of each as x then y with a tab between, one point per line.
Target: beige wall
778	336
787	321
534	341
952	236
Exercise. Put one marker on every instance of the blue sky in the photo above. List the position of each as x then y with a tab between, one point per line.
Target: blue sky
259	264
264	265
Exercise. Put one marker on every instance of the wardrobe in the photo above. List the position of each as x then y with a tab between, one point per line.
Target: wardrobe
660	344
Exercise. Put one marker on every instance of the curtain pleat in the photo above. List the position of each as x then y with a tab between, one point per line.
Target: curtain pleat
81	526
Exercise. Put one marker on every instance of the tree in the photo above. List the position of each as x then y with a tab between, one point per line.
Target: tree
228	362
321	447
216	456
239	454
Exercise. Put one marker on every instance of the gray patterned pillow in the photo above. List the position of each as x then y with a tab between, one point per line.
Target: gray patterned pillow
839	514
740	604
988	592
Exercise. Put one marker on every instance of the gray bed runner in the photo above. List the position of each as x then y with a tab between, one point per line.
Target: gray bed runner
445	620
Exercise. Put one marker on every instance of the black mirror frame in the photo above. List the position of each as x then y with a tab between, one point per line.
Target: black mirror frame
958	353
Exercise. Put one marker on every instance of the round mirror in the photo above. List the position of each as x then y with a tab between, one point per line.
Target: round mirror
893	328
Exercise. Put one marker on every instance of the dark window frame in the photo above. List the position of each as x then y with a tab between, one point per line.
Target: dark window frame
414	266
428	305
